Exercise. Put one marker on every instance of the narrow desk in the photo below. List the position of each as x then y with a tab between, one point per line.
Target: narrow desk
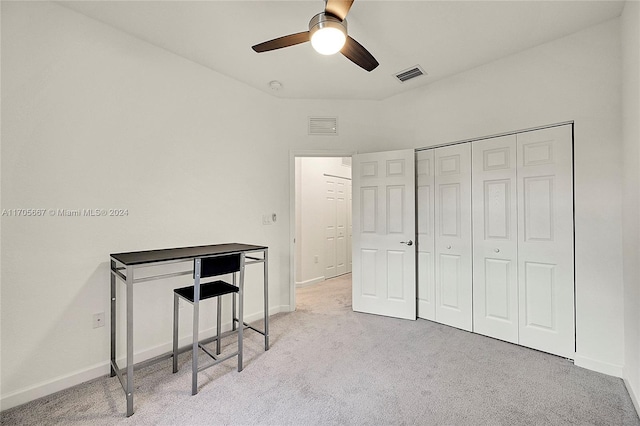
129	262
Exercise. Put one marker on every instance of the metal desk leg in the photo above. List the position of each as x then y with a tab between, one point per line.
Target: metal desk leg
241	313
266	300
176	324
113	316
129	390
196	312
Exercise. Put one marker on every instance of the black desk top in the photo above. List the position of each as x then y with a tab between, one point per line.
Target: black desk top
163	255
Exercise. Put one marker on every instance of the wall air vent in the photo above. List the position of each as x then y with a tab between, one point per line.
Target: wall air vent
323	126
410	73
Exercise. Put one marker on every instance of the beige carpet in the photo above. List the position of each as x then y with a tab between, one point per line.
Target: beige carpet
331	366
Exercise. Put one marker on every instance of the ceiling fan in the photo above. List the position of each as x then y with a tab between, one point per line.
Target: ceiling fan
328	35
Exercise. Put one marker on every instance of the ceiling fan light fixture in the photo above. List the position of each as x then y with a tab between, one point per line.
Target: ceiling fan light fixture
328	41
328	34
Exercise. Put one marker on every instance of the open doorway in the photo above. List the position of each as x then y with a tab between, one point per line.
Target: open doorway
322	217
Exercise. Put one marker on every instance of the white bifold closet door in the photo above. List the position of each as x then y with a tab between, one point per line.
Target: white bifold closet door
523	283
453	289
513	279
425	210
495	238
545	240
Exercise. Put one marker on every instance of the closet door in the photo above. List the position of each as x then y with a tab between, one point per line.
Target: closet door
545	240
337	224
495	242
349	226
453	236
330	228
425	208
341	226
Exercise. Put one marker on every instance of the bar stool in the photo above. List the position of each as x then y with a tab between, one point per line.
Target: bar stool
206	268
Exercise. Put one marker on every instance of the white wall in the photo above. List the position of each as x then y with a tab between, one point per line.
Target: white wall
631	205
93	118
573	78
359	126
310	220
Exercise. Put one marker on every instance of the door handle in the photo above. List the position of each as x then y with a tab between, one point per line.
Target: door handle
409	243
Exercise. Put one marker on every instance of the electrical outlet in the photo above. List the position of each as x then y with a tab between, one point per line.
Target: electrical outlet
98	320
315	259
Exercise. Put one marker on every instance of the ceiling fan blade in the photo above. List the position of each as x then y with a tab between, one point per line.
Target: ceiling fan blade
280	42
357	54
338	8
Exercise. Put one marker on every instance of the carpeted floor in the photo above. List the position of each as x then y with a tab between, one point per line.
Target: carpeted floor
331	366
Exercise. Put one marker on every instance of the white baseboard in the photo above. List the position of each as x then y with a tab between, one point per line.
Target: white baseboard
309	282
101	369
599	366
633	395
43	389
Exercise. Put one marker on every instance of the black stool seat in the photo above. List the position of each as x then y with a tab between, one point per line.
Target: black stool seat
207	291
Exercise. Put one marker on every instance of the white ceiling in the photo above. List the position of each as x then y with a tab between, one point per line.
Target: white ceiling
443	37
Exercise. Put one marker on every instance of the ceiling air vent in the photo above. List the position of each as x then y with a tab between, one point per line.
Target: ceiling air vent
409	74
323	125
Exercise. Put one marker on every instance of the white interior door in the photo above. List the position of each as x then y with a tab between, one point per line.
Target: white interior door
545	240
349	227
383	233
341	226
495	241
425	200
330	228
453	236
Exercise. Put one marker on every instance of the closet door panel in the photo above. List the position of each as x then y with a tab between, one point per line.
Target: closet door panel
545	242
425	199
495	243
453	256
330	228
341	226
349	226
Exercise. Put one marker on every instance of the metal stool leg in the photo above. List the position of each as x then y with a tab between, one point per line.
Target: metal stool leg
218	324
176	308
234	313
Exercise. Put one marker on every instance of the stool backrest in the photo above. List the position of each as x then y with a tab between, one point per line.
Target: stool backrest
219	265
